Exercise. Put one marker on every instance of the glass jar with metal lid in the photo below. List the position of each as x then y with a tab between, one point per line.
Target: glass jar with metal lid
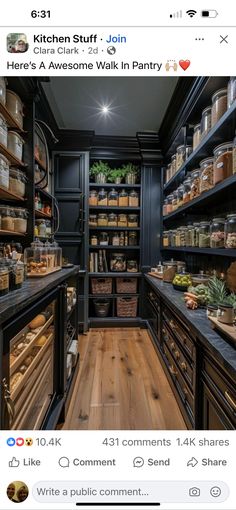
206	121
188	151
103	239
169	203
168	172
180	196
230	231
132	239
115	239
102	197
102	220
133	220
93	198
118	262
177	237
113	197
165	239
93	220
189	236
231	95
195	184
132	266
183	236
196	135
164	209
204	234
94	240
4	172
20	220
180	156
123	198
122	220
7	218
17	182
187	190
194	235
175	200
217	233
172	238
112	220
133	199
219	105
206	176
173	165
223	162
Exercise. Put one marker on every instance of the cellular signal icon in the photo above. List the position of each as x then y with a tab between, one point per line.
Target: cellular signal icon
177	14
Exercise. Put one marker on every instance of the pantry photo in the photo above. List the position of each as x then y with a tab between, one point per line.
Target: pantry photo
118	253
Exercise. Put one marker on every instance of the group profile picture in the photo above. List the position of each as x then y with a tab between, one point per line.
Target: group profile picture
17	43
17	491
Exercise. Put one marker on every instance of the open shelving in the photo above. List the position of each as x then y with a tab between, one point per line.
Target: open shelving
222	252
11	121
5	194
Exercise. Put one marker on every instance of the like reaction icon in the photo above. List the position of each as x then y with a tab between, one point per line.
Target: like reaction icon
14	463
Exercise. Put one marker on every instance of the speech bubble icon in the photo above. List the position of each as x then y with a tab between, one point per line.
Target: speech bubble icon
64	462
138	462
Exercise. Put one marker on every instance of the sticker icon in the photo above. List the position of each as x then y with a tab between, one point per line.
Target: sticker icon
20	441
11	441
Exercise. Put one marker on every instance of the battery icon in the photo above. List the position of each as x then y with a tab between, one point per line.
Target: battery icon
209	14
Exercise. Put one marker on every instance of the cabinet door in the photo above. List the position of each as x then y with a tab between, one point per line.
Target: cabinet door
214	417
68	172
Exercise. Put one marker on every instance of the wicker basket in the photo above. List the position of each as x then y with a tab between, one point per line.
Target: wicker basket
101	285
127	307
126	285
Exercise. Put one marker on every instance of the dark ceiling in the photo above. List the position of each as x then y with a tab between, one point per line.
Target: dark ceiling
134	104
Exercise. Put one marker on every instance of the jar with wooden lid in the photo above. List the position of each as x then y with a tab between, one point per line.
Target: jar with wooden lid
102	220
93	220
169	203
123	199
113	197
174	200
206	176
93	198
4	172
133	220
223	162
7	218
180	156
196	135
165	239
231	95
206	121
112	220
102	197
217	233
133	199
219	105
132	239
230	231
195	184
187	190
204	234
17	182
4	279
122	220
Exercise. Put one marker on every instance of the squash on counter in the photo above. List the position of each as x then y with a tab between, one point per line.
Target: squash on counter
38	321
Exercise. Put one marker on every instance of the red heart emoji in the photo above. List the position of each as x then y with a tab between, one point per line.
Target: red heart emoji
184	64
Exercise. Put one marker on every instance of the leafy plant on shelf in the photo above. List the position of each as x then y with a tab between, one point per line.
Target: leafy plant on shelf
116	175
217	292
100	171
131	173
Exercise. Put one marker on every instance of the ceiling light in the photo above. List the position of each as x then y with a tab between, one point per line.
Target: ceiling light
105	110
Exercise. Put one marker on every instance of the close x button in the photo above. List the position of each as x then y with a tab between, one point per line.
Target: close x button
224	39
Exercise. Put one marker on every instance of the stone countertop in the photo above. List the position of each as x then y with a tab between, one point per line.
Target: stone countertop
32	289
200	325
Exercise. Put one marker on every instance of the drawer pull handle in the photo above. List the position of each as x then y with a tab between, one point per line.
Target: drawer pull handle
177	354
185	391
172	346
8	401
230	400
184	366
173	371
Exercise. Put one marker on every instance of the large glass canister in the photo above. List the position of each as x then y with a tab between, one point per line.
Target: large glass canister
133	199
168	172
7	218
230	231
169	270
187	190
206	176
217	233
169	203
195	184
113	197
223	162
219	105
36	259
112	220
206	121
172	238
102	197
204	234
4	172
164	210
231	96
118	262
165	239
183	237
180	156
57	251
17	182
93	198
175	201
180	196
196	135
173	164
123	198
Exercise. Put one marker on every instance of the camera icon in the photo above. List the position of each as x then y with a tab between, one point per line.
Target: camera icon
194	492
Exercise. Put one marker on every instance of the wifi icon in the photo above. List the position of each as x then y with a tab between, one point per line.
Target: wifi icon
191	13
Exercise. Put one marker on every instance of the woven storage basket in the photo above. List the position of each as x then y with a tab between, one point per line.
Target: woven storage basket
126	285
127	307
101	285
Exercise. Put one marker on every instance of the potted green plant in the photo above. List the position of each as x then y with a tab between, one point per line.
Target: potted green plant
100	171
131	173
116	175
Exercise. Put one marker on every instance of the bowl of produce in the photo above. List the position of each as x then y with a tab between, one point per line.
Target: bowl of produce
199	279
196	297
182	281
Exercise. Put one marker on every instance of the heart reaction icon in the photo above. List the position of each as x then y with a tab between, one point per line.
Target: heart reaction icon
184	64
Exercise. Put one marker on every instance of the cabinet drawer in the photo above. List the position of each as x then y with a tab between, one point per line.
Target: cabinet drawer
154	300
180	359
180	384
181	331
223	388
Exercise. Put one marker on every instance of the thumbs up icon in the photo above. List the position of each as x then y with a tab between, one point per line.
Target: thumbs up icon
14	463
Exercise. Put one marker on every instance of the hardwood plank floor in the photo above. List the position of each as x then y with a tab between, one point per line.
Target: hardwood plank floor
121	385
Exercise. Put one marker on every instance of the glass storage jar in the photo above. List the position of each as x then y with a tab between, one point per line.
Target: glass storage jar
112	220
165	239
132	266
118	262
4	172
36	259
217	233
180	196
133	199
234	156
15	106
194	235
94	240
188	151
17	182
103	239
115	240
15	144
48	228
164	209
93	220
206	121
172	238
231	96
42	228
223	164
102	197
175	201
187	190
219	105
206	176
122	220
173	165
93	198
7	218
169	270
168	172
3	131
177	237
133	220
189	236
195	184
204	234
196	135
17	274
230	231
113	197
169	204
102	220
132	239
183	236
2	90
123	199
4	279
122	239
180	156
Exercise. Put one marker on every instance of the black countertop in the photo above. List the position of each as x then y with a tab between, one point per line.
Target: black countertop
219	348
32	289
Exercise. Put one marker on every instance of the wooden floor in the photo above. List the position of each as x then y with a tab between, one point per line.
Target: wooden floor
121	385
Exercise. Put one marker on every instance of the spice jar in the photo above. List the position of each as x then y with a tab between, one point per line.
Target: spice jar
206	176
112	220
219	105
196	135
132	266
175	201
7	218
180	156
102	220
180	196
123	199
204	234
113	197
165	239
173	165
169	270
93	220
102	197
133	220
3	131
4	279
94	240
169	204
217	233
122	220
132	239
115	241
230	231
133	199
164	209
206	121
17	181
231	96
103	239
195	184
4	172
187	190
234	156
93	198
223	164
118	262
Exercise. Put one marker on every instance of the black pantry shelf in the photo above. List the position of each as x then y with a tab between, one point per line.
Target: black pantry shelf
113	208
205	251
215	136
109	247
111	296
114	228
111	185
44	193
116	275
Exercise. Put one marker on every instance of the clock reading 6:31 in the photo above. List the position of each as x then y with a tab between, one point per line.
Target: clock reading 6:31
40	14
